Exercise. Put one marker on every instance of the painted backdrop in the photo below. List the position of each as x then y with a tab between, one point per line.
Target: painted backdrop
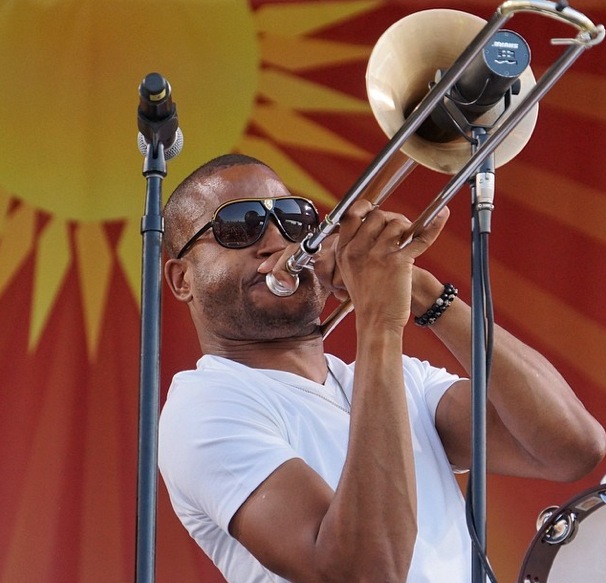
283	81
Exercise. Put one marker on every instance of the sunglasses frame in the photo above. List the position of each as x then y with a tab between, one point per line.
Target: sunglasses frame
269	206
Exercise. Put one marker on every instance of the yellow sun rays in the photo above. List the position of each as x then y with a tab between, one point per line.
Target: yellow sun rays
304	53
287	48
283	117
94	262
282	121
16	238
305	18
52	261
53	257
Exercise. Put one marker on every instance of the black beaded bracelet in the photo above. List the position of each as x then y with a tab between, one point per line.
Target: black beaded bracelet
441	305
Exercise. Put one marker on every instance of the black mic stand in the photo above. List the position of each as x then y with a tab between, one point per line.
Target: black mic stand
152	230
482	195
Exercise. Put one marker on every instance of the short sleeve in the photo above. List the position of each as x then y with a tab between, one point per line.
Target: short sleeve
217	446
432	381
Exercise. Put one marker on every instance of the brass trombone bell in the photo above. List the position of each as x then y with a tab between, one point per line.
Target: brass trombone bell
412	69
402	65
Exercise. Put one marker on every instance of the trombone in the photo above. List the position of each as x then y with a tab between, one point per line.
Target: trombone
400	101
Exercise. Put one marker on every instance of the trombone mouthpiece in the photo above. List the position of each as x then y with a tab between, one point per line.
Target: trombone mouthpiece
277	288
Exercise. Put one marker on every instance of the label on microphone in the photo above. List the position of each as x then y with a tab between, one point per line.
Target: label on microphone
507	54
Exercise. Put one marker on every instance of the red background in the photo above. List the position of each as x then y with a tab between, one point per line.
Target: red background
68	421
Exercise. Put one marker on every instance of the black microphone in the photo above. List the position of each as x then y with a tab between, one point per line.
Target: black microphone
491	76
157	117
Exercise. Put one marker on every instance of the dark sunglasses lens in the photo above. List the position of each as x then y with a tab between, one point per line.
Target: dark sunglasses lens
297	217
239	224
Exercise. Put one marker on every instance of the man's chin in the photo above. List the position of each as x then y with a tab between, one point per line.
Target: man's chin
298	314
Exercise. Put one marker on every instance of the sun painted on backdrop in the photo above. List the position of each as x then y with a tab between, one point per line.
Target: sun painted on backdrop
70	120
70	115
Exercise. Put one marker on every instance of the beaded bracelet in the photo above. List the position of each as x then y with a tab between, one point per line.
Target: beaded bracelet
441	305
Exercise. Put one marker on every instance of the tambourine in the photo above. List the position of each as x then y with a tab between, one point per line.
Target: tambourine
570	545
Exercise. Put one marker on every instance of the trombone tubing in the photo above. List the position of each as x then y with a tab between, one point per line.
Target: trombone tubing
503	13
547	81
557	10
431	100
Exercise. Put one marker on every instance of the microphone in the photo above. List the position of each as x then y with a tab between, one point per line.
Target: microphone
491	76
157	117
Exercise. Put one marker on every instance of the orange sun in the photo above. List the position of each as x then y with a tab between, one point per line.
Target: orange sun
70	120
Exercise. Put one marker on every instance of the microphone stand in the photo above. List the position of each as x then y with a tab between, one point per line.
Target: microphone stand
482	194
152	229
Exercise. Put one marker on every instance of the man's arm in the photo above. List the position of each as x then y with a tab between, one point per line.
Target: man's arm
536	426
365	530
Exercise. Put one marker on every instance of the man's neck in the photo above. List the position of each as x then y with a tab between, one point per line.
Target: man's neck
303	356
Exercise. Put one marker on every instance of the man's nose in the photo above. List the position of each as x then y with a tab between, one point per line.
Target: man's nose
272	239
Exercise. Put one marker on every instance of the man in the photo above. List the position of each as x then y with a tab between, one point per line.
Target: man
283	462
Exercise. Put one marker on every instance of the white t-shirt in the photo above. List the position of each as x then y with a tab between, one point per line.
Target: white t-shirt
226	427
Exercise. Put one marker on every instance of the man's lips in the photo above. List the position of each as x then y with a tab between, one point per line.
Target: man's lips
257	279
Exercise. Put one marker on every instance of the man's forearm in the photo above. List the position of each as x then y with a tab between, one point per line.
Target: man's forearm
528	398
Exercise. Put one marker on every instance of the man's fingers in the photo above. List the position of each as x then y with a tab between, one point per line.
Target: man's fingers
276	264
427	236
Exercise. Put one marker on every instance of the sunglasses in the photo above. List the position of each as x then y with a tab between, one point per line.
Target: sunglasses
241	223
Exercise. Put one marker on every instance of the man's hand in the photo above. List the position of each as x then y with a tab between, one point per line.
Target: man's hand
376	271
368	242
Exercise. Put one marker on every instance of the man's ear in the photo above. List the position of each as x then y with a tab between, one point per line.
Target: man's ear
175	272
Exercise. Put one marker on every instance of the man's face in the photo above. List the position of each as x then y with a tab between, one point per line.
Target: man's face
230	298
